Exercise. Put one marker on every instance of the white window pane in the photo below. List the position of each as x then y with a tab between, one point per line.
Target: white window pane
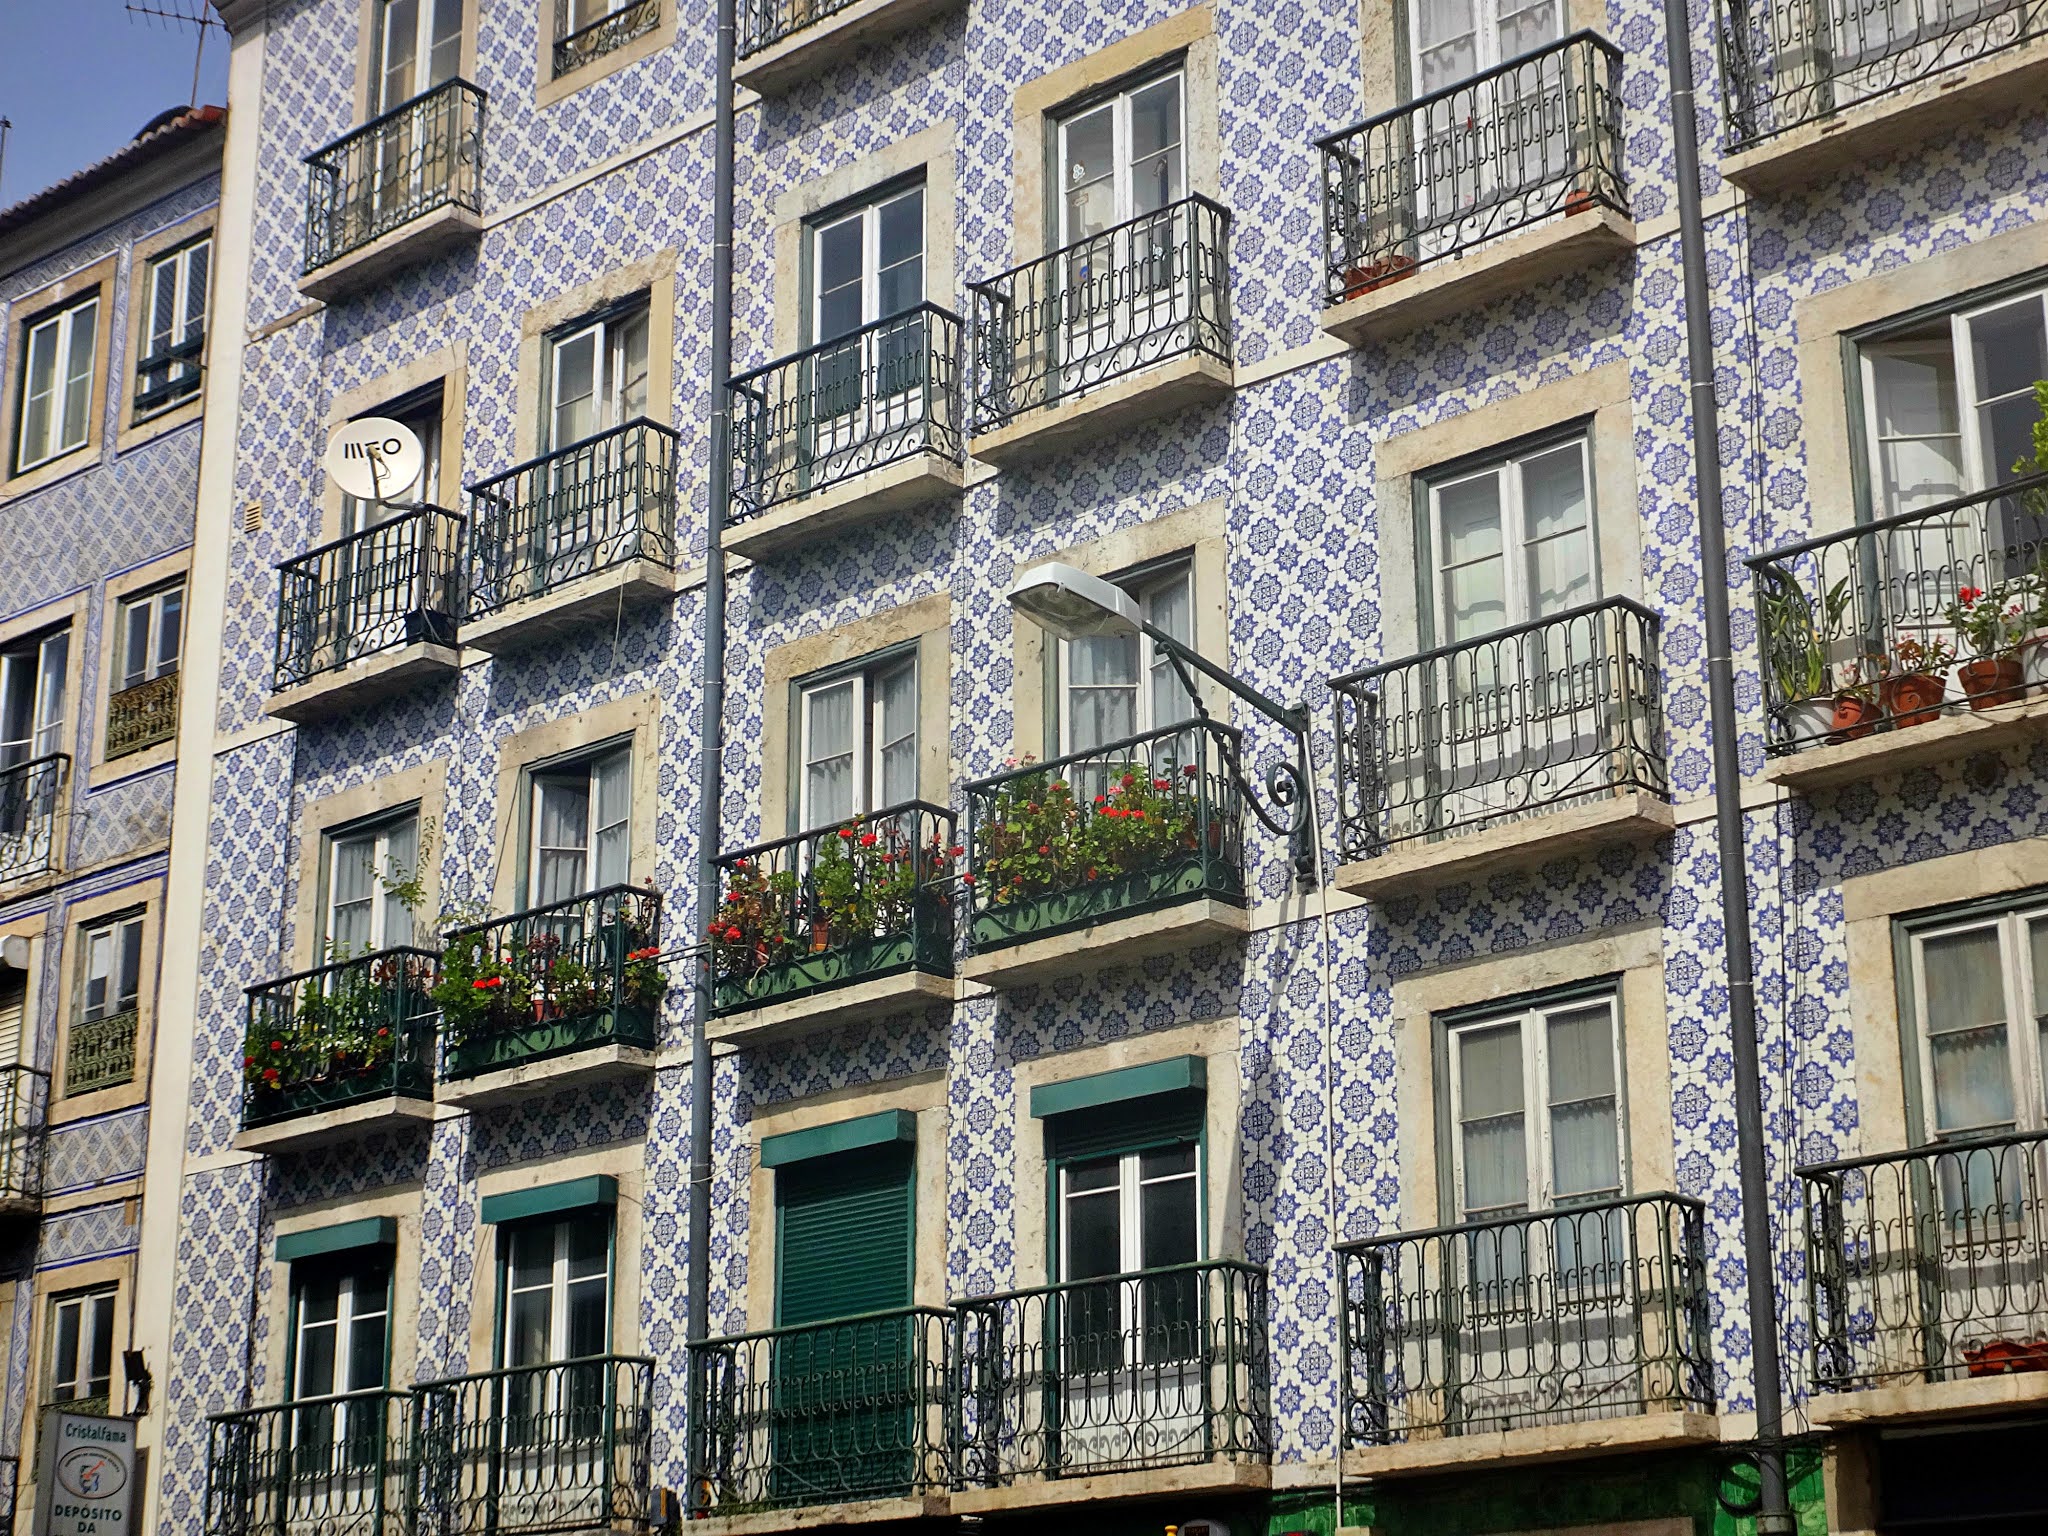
631	390
1087	173
39	404
1468	519
1475	597
830	719
1525	27
614	812
1446	43
53	656
2008	353
401	861
1584	1110
828	753
1914	390
78	374
1495	1158
1561	573
564	812
1492	1137
898	725
575	409
170	630
1966	1028
1098	661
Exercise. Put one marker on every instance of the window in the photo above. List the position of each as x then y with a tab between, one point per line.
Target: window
1513	541
101	1051
341	1317
589	29
557	1279
364	913
1117	686
1980	994
1453	40
32	679
152	629
419	411
56	384
867	264
419	46
596	376
82	1350
1121	158
175	339
859	741
581	832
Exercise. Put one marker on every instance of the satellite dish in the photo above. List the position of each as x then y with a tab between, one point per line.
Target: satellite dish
375	458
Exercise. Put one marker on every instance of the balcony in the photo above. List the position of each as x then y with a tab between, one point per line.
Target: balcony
1103	857
341	1049
856	428
368	616
1521	1338
785	42
1927	1275
537	1449
624	23
1149	1382
100	1053
31	794
1475	192
1123	326
1909	640
835	925
24	1139
855	1412
142	716
396	192
1530	743
563	540
1816	88
566	992
342	1466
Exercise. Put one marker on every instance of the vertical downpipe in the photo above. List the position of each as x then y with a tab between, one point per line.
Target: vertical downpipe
1774	1512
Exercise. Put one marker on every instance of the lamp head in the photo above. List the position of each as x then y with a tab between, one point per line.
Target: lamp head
1072	604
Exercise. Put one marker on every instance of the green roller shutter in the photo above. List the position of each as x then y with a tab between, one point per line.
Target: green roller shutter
1157	1120
843	1227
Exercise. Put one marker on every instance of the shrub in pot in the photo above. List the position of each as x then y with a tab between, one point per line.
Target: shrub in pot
1798	631
1914	682
1990	624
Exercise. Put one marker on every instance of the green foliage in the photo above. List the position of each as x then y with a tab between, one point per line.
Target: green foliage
1799	632
1042	835
347	1019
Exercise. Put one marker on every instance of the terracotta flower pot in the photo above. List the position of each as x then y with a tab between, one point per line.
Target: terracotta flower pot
1854	717
1913	698
821	935
1376	274
1578	202
1992	680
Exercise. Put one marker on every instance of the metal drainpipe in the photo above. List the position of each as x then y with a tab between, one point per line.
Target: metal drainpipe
697	1314
1774	1512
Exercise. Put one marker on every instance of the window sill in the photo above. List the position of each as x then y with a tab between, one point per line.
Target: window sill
772	1522
1118	941
1161	390
601	1063
50	471
593	599
365	681
898	487
830	42
1425	863
1520	1447
134	433
1910	117
1930	1400
365	1118
1484	275
407	246
1214	1477
830	1008
1960	732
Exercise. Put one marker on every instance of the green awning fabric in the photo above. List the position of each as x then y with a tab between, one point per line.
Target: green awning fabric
370	1232
845	1136
1175	1075
571	1195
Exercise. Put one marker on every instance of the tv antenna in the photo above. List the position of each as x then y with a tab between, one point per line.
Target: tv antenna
176	14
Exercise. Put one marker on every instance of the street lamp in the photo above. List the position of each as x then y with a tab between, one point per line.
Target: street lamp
1077	606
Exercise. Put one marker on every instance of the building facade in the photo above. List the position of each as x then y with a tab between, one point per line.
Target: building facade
1092	1141
104	286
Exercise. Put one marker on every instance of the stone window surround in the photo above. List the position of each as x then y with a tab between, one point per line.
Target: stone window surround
147	577
449	366
1823	323
626	1163
140	259
549	88
1037	103
926	623
1199	532
656	275
35	928
366	51
1383	48
146	896
424	788
94	1274
401	1203
637	716
931	151
65	612
1418	1002
1221	1166
1601	396
1874	906
923	1094
25	311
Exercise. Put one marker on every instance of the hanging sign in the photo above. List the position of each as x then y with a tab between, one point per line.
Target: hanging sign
374	458
87	1482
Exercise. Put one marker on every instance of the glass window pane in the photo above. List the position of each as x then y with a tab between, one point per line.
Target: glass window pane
1492	1138
1168	1223
1445	43
838	254
135	644
198	265
163	304
41	393
129	975
900	237
1555	505
1094	1235
78	382
629	389
527	1323
574	415
1967	1045
100	1357
1087	173
1167	1162
64	1360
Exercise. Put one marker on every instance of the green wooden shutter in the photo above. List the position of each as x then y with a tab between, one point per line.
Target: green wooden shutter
843	1235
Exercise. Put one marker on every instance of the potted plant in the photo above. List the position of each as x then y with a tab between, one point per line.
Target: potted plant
1798	633
1913	684
1990	624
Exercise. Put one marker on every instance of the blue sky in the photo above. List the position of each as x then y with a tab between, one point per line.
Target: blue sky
79	77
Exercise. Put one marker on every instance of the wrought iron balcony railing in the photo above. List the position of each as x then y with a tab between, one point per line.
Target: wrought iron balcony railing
142	716
1860	630
1145	291
536	1449
585	508
1535	136
1503	726
338	1465
859	1408
1123	828
1929	1264
764	23
100	1053
1789	62
423	154
393	585
31	794
551	980
850	902
884	393
1596	1311
1161	1368
357	1028
24	1134
576	46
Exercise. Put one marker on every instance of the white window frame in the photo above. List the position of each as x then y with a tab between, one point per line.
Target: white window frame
104	946
62	325
187	324
421	80
1118	104
46	662
381	861
610	334
1144	588
96	1311
1517	542
349	1315
2024	1048
1130	1195
163	635
865	680
869	216
1486	25
586	767
557	1286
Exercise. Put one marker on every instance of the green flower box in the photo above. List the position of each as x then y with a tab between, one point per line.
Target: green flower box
1184	877
925	948
537	1039
339	1089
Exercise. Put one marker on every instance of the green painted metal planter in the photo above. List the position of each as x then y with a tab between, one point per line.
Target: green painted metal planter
547	1036
926	947
1185	877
